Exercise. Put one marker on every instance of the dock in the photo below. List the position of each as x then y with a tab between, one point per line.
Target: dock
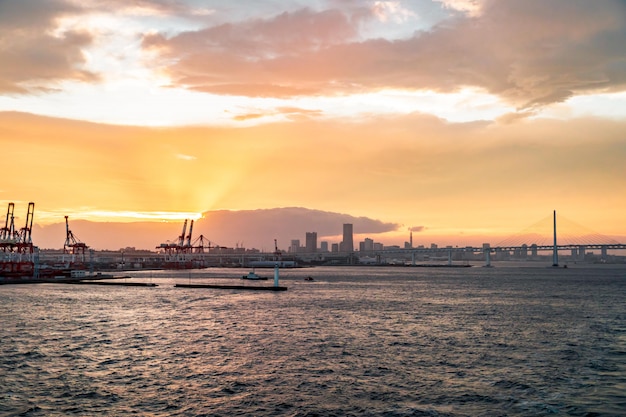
233	287
122	284
61	280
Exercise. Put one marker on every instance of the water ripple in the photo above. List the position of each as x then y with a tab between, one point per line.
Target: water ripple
358	341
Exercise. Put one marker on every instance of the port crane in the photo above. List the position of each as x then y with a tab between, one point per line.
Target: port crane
188	244
26	231
73	246
178	254
277	254
7	233
181	238
202	243
17	246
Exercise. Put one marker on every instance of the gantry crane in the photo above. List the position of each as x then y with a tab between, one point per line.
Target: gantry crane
24	243
277	254
188	244
73	246
180	254
17	246
181	238
7	233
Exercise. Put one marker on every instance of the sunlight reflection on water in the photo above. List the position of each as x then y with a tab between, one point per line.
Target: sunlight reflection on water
363	341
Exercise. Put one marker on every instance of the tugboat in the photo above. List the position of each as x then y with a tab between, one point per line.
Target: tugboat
253	276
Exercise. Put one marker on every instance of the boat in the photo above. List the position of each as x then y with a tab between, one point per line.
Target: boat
273	264
252	275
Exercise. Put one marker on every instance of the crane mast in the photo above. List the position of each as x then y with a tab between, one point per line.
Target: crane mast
16	257
68	233
72	245
189	235
26	237
181	238
277	253
8	231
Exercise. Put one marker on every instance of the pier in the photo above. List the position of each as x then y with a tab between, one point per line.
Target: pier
233	287
121	284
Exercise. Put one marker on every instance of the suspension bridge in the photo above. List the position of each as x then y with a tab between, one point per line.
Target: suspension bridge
576	239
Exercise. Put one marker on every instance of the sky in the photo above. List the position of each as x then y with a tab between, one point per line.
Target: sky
464	121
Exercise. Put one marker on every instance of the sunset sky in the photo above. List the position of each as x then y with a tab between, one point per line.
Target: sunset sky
464	120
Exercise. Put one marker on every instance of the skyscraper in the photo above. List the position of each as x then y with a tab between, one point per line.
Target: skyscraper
347	245
311	242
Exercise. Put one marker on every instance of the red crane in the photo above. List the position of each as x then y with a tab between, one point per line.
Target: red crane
277	254
188	244
72	245
17	247
181	238
201	243
25	241
7	233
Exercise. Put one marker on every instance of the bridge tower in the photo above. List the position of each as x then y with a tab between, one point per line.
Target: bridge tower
555	251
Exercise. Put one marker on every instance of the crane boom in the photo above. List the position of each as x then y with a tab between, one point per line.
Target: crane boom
67	231
181	238
277	253
72	245
26	231
190	232
7	232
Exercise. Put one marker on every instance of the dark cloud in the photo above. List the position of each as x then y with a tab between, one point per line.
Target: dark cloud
417	228
249	228
284	224
528	52
32	57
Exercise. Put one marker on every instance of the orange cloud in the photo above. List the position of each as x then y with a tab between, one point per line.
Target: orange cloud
529	53
479	178
292	113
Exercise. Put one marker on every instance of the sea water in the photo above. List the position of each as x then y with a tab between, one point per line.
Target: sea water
518	340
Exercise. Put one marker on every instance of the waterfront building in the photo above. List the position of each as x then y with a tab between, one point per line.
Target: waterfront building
347	245
311	242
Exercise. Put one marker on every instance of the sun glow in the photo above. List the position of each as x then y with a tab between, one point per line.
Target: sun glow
48	217
405	112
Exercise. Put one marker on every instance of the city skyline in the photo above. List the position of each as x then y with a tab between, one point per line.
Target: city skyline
454	121
261	229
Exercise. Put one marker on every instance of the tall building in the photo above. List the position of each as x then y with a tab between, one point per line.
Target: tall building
324	246
311	242
348	244
295	246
